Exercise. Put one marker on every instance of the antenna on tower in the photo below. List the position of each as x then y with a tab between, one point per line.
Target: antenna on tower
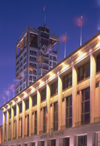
44	8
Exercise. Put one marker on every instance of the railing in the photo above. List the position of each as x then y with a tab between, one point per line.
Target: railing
19	136
78	124
40	132
97	119
63	127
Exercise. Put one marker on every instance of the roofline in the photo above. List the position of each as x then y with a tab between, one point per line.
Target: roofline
56	65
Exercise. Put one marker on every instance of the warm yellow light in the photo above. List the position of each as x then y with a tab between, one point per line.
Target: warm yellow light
25	95
82	55
64	66
52	76
98	45
41	83
99	37
33	89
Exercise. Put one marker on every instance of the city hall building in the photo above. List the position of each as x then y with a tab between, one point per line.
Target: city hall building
61	108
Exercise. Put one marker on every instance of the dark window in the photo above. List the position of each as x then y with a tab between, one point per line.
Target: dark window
9	114
27	104
66	141
33	40
69	111
67	81
98	63
82	140
55	123
85	106
20	108
44	119
43	94
83	72
34	100
53	142
35	127
42	143
54	88
33	144
25	144
27	124
14	111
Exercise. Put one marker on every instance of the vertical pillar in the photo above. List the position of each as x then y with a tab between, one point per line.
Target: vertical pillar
7	124
23	118
48	105
12	122
17	119
38	112
30	115
3	126
92	86
74	94
59	100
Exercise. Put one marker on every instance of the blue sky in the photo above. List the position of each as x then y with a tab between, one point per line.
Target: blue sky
15	16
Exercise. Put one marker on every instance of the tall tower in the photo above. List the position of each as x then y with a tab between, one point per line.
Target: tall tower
36	53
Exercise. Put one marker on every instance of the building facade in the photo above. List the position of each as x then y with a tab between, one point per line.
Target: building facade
62	108
36	53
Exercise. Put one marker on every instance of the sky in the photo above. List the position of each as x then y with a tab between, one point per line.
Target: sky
16	15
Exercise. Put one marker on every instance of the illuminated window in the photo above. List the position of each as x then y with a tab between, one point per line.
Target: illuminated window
20	108
44	119
34	100
69	111
27	104
43	95
82	140
67	81
98	63
55	116
83	72
54	88
85	116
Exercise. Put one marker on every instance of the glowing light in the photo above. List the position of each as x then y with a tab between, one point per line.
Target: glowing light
81	56
33	89
25	94
98	45
99	37
65	66
52	76
41	83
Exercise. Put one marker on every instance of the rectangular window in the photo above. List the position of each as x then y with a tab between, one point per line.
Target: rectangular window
43	95
42	143
34	100
55	116
53	142
44	119
85	116
33	144
54	88
20	128
67	81
20	108
69	111
35	127
27	125
27	104
10	114
14	111
98	63
82	140
15	129
83	72
66	141
33	40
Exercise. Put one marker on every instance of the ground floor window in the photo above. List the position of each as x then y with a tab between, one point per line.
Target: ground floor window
33	144
53	142
82	140
66	141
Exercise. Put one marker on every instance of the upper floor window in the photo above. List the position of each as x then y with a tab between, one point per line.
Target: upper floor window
67	81
14	111
98	63
34	100
54	88
27	104
20	108
43	94
83	72
85	114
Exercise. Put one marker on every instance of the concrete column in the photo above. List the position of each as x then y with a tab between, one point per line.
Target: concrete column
59	100
17	119
3	127
23	118
38	111
48	105
30	115
12	122
7	124
74	94
92	86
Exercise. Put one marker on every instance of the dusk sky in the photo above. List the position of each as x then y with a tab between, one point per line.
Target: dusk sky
16	15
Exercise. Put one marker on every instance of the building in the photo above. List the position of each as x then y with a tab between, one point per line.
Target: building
36	53
61	108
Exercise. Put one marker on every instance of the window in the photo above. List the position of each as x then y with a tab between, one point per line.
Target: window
20	108
42	143
33	40
35	127
27	104
67	81
53	142
98	63
55	123
34	100
69	111
83	72
10	114
44	119
20	128
14	111
66	141
27	125
85	116
54	88
33	144
43	94
82	140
